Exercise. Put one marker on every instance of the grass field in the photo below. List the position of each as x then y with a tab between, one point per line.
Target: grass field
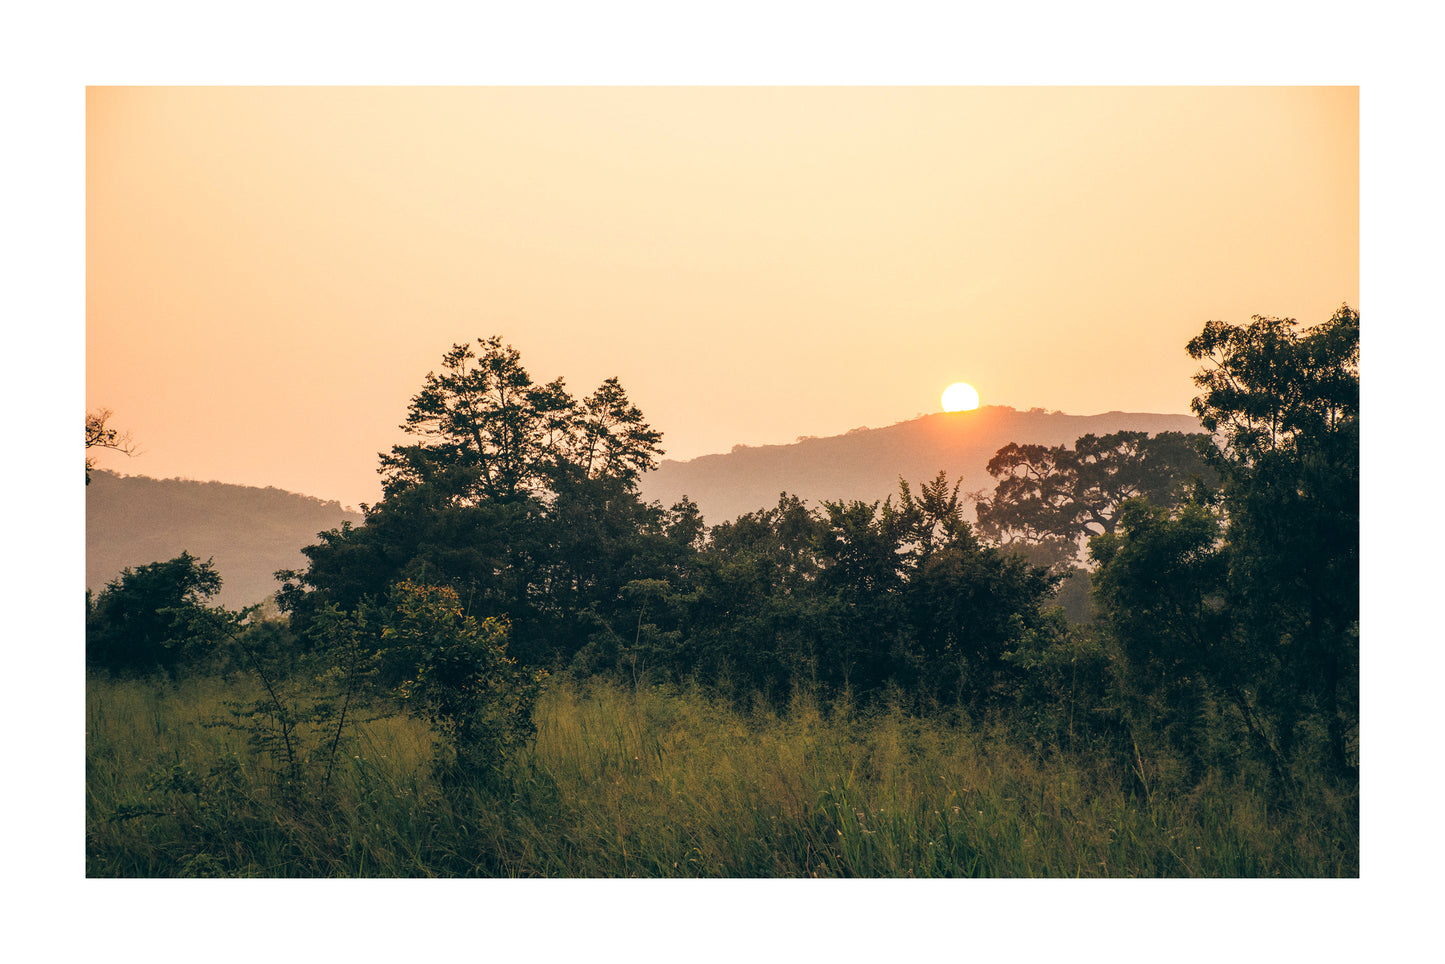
666	782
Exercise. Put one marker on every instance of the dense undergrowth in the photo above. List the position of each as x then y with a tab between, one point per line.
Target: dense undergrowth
667	781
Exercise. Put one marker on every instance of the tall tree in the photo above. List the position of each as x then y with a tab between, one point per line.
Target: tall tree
1254	594
488	431
611	440
1051	499
1270	388
1284	406
518	497
1160	585
933	519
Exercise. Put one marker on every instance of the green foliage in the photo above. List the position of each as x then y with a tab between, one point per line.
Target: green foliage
310	697
487	432
138	623
1160	580
1050	500
1241	614
1284	404
1160	583
1269	387
520	498
970	605
1063	693
852	597
476	697
918	702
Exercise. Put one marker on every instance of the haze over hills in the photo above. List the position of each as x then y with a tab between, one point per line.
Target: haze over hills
865	464
132	521
252	532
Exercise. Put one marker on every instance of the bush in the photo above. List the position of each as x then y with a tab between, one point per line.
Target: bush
140	622
476	697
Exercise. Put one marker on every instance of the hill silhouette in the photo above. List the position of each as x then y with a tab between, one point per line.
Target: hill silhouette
866	463
250	532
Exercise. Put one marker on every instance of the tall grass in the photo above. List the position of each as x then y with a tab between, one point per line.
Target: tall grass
667	781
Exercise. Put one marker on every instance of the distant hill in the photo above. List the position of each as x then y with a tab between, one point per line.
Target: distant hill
132	521
252	532
866	463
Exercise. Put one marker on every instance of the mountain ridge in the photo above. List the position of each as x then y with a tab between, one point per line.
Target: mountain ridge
250	532
866	463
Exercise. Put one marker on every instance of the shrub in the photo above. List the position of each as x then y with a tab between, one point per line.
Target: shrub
476	697
139	622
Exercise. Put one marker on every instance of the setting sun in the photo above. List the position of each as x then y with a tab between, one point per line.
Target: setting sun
960	397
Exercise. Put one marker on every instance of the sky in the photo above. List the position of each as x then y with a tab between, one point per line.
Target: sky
271	272
1233	165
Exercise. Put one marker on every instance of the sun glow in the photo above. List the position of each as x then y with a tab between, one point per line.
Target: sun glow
960	397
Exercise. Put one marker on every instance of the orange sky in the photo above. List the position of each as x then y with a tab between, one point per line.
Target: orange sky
271	272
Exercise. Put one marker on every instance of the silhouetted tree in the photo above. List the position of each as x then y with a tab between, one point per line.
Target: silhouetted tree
140	621
861	595
1050	499
98	434
1284	406
749	612
1160	583
488	432
521	499
1253	595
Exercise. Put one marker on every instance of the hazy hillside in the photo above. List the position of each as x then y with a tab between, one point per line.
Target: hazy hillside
866	463
250	532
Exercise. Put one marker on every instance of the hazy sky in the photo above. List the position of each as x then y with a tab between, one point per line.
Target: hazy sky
271	272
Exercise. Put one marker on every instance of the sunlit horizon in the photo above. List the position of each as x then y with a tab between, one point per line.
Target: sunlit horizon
271	272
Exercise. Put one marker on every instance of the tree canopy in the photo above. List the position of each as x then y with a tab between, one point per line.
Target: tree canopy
511	538
1284	404
523	502
485	430
1259	597
1270	388
1051	499
517	496
141	620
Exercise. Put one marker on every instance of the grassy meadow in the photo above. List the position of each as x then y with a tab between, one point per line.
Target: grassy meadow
638	781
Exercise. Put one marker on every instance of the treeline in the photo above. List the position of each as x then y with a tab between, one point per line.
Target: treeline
1223	571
